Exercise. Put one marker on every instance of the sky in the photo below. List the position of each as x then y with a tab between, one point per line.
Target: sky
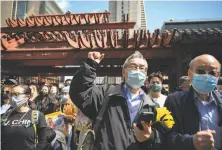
157	12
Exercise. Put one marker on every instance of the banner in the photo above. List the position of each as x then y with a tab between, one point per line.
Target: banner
82	122
55	121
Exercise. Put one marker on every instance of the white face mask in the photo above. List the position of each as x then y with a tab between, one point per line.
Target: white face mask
18	101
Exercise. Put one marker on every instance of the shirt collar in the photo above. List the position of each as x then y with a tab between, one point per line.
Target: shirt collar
128	92
141	91
211	99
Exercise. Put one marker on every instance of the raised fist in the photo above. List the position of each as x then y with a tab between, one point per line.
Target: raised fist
96	56
204	140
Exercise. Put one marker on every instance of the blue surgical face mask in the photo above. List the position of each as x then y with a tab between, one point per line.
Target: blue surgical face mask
135	78
204	84
64	98
156	87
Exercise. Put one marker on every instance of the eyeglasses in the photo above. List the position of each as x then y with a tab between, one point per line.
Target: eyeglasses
212	73
16	94
135	67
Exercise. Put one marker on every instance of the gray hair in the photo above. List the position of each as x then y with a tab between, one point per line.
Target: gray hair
136	54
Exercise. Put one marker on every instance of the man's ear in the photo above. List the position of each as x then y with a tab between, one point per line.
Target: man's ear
124	73
190	75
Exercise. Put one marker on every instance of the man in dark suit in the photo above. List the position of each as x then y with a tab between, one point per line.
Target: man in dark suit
198	111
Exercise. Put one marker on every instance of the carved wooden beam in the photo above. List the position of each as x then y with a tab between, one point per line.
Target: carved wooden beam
97	39
81	54
105	39
12	44
154	38
29	22
125	40
102	26
71	42
21	23
158	39
13	23
139	39
58	20
147	39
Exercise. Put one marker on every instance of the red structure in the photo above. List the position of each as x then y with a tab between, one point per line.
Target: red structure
43	45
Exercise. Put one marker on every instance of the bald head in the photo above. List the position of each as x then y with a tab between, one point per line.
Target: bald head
205	61
203	74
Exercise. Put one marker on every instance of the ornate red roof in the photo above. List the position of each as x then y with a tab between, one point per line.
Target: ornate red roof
76	31
96	39
208	35
69	33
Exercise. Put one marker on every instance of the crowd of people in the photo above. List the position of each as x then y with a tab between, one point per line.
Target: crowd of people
19	104
196	107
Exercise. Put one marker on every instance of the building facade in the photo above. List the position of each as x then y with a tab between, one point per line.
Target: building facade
131	10
20	9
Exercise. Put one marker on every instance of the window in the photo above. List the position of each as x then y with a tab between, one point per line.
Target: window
21	9
49	9
14	9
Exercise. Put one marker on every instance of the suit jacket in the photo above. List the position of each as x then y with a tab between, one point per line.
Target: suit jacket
187	119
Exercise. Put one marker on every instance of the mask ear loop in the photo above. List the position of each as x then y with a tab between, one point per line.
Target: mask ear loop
27	103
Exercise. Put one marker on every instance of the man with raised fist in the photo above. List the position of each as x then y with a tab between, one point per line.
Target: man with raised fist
118	129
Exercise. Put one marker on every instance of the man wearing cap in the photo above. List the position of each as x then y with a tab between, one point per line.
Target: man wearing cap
10	82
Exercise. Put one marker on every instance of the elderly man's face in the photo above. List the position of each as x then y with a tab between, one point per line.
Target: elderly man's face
205	65
134	64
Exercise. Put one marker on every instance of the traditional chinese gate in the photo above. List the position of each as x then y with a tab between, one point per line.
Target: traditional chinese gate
43	45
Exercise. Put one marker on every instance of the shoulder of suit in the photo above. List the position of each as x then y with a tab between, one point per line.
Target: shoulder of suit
178	93
177	97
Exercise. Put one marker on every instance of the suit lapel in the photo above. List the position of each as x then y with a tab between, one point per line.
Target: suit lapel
191	113
219	105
